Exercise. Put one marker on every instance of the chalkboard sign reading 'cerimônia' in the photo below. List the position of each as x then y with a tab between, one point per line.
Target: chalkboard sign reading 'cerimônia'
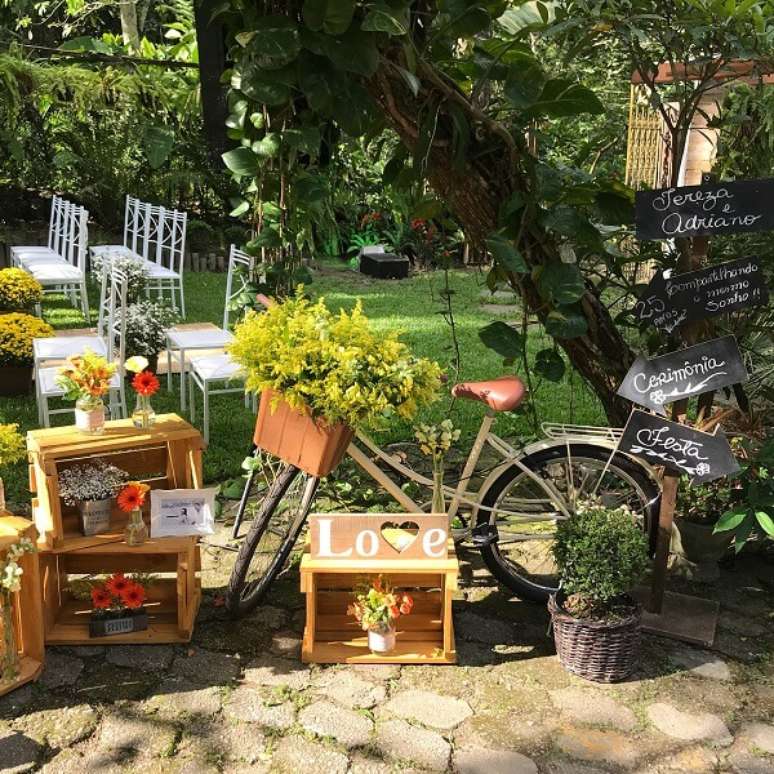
703	210
726	287
683	374
679	448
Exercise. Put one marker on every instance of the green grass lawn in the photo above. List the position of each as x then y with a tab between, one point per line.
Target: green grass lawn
411	306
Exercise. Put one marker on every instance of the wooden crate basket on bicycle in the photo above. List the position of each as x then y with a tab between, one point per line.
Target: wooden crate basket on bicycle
411	553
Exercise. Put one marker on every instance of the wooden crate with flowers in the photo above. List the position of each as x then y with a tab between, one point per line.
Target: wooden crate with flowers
379	589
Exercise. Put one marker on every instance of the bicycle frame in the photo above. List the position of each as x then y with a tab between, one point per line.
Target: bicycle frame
556	435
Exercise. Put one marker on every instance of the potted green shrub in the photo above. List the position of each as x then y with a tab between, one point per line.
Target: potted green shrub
601	553
17	332
146	326
322	375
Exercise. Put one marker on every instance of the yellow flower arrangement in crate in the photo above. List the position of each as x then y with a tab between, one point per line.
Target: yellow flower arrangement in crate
17	332
86	380
331	370
18	290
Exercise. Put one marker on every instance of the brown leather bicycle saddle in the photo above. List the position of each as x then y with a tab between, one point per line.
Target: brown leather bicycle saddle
501	394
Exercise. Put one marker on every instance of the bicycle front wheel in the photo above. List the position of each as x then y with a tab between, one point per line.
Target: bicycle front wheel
522	558
269	542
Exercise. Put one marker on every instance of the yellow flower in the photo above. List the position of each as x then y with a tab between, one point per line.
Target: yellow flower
12	446
17	331
18	290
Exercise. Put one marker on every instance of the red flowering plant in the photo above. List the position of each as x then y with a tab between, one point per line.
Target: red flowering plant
376	605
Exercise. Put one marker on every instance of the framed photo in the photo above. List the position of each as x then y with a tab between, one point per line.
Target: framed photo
179	512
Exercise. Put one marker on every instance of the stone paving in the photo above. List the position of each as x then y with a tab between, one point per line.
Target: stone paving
238	699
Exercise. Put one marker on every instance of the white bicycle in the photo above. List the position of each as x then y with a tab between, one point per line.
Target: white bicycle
511	518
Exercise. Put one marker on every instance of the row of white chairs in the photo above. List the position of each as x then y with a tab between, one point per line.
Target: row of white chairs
60	266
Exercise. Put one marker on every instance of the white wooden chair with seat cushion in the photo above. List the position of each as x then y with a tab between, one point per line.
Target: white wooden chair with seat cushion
66	272
130	215
208	370
112	347
164	253
181	341
55	230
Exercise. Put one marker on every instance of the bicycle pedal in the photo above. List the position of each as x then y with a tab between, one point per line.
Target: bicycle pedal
484	535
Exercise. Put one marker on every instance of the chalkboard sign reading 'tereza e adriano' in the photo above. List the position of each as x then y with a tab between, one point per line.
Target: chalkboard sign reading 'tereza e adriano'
679	448
726	287
703	210
684	374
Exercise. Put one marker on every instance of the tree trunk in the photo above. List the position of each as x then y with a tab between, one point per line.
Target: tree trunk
130	30
474	194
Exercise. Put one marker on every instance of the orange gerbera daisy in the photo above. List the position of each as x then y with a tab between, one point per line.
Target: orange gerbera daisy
133	596
145	383
132	496
117	584
101	598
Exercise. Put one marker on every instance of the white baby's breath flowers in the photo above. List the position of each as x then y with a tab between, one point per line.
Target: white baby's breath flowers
91	482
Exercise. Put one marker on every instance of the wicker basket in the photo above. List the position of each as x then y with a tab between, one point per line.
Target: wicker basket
596	650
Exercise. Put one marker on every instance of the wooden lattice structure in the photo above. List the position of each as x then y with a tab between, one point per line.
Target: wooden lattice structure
647	142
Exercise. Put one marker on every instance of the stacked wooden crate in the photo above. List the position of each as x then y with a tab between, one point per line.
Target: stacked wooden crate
166	456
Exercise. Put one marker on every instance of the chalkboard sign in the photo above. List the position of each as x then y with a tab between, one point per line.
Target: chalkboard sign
702	210
679	448
683	374
671	301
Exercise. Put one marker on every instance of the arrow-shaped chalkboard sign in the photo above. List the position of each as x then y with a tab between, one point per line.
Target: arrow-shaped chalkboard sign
703	210
679	448
671	301
708	366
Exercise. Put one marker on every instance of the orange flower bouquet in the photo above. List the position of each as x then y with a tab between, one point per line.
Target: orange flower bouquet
377	606
118	606
131	500
86	379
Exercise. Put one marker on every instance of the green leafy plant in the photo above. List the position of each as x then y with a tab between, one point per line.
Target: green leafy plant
332	365
753	512
601	554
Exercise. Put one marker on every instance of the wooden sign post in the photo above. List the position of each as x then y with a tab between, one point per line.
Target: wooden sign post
682	302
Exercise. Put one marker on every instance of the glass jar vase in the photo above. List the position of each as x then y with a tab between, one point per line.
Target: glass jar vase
143	415
439	501
136	532
90	415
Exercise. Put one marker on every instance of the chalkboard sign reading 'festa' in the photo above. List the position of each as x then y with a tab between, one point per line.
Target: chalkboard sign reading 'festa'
671	301
679	448
683	374
702	210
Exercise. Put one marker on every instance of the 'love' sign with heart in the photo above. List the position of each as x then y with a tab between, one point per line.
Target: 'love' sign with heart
378	536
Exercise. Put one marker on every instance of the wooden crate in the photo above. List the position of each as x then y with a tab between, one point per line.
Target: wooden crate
426	636
173	600
167	456
28	616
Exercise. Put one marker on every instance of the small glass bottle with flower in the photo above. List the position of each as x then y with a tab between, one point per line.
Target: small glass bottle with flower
86	379
10	583
131	500
435	441
376	606
118	604
146	385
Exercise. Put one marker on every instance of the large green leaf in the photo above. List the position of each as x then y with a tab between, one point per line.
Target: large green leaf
766	522
550	365
260	86
561	97
268	146
275	42
330	16
382	18
503	339
318	81
524	83
466	19
355	52
159	142
241	161
731	519
505	253
565	324
570	222
560	283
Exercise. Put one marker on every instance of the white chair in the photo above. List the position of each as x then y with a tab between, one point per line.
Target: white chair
52	249
46	387
209	370
65	272
130	208
181	341
164	244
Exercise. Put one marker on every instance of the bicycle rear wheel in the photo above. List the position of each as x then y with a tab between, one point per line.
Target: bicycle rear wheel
269	542
522	558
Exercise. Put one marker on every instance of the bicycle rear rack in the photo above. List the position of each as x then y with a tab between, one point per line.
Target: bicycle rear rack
559	430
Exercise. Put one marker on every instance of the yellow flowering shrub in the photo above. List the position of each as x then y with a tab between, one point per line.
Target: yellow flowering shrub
12	445
18	290
332	365
16	334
